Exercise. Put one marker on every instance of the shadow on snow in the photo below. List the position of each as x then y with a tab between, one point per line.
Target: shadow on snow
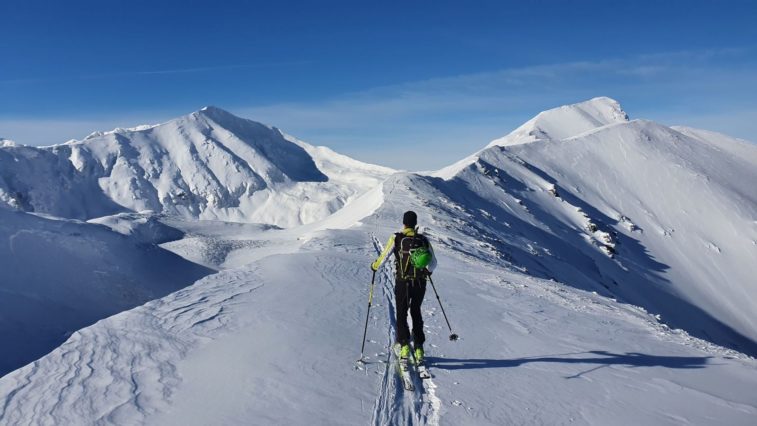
602	358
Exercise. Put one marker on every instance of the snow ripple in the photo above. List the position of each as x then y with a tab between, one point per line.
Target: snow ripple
130	360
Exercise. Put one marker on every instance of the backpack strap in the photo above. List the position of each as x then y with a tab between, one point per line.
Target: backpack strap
397	244
402	267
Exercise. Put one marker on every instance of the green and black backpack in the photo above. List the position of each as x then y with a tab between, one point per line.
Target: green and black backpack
412	254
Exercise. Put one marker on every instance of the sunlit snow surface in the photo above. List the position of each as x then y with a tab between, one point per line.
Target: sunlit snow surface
535	240
207	165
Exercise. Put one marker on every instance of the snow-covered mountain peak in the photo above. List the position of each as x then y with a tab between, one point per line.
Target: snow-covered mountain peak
7	142
117	130
599	111
566	121
201	117
552	125
219	116
214	111
683	194
209	164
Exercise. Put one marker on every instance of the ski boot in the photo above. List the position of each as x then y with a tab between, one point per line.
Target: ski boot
402	351
418	355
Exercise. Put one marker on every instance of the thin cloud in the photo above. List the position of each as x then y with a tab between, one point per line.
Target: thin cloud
510	90
192	70
430	123
453	116
188	70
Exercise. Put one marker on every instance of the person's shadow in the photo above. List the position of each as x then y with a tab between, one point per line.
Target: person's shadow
603	358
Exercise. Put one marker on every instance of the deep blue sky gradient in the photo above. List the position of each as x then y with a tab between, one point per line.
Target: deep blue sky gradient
438	75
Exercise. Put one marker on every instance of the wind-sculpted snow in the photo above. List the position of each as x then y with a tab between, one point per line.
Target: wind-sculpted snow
206	165
59	276
124	368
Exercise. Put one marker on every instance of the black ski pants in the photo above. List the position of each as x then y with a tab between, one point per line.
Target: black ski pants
409	294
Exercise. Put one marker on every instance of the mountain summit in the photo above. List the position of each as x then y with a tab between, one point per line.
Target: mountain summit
206	165
567	121
553	125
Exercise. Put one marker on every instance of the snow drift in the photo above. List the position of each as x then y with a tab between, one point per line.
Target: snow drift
61	275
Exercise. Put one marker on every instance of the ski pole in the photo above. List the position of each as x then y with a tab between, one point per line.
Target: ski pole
452	336
367	315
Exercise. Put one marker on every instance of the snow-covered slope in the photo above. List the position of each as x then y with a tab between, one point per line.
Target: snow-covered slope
60	275
659	217
274	342
553	125
566	121
206	165
209	164
558	258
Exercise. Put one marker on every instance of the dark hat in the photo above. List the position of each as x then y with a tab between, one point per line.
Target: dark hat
410	219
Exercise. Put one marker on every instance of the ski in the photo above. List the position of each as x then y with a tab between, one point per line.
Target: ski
420	366
423	372
403	369
407	380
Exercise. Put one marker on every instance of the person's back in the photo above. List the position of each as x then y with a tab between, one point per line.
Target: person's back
414	261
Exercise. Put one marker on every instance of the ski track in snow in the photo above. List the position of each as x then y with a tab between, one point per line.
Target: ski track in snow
392	407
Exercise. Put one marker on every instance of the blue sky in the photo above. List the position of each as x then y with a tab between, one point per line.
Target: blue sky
413	85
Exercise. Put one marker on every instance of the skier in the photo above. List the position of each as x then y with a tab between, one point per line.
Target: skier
414	261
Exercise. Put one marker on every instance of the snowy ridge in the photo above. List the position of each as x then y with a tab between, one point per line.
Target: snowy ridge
633	158
553	125
207	165
117	130
7	142
566	121
632	196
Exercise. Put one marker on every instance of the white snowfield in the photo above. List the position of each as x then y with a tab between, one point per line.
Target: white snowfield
547	249
57	276
673	210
